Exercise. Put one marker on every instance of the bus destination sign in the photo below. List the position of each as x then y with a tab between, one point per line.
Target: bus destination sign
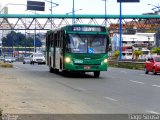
88	29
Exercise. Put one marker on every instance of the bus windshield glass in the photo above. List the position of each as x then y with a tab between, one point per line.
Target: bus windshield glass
87	43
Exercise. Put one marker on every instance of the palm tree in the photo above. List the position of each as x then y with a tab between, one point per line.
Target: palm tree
137	53
156	50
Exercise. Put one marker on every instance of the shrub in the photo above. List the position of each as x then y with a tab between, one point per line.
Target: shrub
6	65
137	53
128	65
116	55
157	50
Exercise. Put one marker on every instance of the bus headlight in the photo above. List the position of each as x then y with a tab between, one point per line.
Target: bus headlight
105	60
67	59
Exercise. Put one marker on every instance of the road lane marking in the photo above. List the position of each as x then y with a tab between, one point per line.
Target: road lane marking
16	67
136	82
82	89
123	71
153	112
156	85
109	98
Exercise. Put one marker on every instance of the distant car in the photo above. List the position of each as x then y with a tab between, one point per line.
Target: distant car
1	58
13	59
26	60
152	65
8	59
37	58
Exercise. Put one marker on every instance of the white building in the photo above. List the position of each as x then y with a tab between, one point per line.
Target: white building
130	40
139	38
138	41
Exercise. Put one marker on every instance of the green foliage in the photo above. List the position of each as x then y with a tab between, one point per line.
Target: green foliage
128	65
137	53
157	50
18	39
116	54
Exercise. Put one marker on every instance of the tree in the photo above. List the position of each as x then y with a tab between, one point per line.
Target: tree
137	53
156	50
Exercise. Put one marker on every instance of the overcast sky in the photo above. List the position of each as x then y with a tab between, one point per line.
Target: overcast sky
87	6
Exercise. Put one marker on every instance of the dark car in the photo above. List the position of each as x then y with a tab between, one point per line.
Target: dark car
152	65
26	60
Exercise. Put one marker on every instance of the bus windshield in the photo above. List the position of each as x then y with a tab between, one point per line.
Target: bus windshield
87	43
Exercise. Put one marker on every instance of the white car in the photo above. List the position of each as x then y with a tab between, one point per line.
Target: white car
37	58
8	59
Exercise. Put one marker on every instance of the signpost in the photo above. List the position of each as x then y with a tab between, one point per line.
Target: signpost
35	5
120	24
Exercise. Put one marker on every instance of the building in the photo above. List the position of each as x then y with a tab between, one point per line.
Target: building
138	41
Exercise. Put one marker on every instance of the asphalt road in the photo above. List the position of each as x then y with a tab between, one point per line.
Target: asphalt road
32	89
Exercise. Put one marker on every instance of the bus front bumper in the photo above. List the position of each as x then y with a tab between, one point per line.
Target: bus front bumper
86	68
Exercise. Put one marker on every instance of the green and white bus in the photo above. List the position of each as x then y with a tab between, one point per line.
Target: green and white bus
78	48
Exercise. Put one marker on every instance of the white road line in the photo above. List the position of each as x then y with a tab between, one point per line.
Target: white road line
136	82
82	89
17	67
156	85
153	112
108	98
123	71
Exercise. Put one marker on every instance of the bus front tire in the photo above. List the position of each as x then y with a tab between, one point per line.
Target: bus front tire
96	74
64	72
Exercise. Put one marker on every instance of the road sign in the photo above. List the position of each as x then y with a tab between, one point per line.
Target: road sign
35	5
128	0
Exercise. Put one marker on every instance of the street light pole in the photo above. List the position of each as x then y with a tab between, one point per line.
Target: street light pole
149	37
105	12
73	13
52	8
35	36
120	32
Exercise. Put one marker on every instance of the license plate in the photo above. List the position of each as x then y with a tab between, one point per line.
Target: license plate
87	67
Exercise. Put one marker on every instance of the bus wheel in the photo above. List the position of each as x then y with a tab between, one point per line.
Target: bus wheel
64	72
56	70
96	74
